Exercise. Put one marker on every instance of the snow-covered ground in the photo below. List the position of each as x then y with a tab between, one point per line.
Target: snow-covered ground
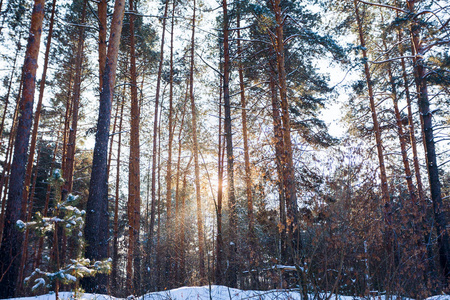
213	292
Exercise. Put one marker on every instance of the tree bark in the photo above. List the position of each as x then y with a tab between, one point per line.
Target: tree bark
134	179
401	134
170	142
115	252
111	142
10	250
201	251
37	114
6	173
183	225
161	283
287	158
419	208
170	219
432	166
411	130
220	254
155	125
67	122
71	146
8	92
178	203
248	174
102	7
384	185
232	269
279	145
96	229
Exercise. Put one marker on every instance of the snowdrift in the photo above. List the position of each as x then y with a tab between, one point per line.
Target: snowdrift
214	292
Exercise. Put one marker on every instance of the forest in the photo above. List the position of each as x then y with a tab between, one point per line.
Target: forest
300	145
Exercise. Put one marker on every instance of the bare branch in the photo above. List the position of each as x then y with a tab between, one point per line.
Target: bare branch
391	59
93	12
384	5
206	63
438	42
240	28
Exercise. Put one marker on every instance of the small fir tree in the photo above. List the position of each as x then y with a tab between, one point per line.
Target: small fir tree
67	215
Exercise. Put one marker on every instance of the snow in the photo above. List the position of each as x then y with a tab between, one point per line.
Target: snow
70	277
20	224
39	282
214	292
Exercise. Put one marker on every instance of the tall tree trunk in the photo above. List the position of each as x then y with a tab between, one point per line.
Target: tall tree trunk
161	282
115	250
71	146
379	144
6	173
8	92
169	218
155	125
131	232
432	166
111	142
37	114
384	184
178	207
401	134
134	179
102	7
201	251
287	158
248	174
220	254
183	225
10	250
147	258
294	243
412	208
96	229
420	206
72	131
170	125
67	116
232	269
411	130
279	145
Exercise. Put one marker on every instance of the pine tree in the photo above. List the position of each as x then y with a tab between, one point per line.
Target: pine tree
66	215
10	250
96	230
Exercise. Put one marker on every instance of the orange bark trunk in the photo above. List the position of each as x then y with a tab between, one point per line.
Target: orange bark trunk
10	250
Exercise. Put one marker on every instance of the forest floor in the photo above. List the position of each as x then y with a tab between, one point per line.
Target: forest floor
213	292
